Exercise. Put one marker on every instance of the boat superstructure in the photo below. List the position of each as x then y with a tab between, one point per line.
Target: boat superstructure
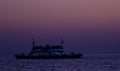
47	52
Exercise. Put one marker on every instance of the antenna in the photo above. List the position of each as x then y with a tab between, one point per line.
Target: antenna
62	41
33	42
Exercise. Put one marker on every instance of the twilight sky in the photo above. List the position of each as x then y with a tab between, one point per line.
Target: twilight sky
88	26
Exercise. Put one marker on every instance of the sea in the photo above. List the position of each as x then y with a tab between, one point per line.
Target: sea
90	63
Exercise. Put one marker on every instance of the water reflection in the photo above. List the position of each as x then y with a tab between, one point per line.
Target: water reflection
60	65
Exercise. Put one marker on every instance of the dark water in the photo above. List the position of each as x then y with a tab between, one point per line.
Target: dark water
86	64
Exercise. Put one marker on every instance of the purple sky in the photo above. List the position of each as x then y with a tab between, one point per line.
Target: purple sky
88	26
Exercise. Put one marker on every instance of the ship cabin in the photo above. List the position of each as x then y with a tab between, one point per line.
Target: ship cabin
47	50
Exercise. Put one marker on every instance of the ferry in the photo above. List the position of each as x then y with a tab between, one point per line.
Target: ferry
47	52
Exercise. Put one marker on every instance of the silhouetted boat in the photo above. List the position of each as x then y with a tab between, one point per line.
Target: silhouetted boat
47	52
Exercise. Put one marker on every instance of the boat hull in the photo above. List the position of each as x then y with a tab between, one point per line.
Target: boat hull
48	57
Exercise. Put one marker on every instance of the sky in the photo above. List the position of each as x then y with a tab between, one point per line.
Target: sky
87	26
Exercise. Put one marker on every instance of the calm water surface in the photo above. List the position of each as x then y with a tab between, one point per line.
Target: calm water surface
85	64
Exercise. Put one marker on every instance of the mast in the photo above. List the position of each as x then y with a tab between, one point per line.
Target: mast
33	42
62	41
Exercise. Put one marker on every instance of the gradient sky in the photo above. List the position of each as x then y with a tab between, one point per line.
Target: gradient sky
88	26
